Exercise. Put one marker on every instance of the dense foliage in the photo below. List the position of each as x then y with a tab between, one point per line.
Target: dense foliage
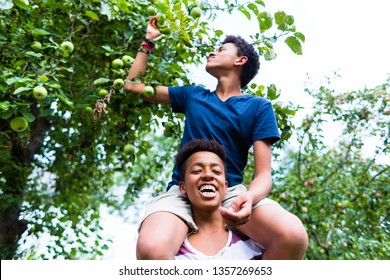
338	182
64	146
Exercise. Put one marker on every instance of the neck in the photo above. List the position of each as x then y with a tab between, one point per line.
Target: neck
208	220
228	87
212	235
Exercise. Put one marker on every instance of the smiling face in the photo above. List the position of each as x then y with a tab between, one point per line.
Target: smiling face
204	181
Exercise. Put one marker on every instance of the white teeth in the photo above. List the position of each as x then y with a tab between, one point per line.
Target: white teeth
207	188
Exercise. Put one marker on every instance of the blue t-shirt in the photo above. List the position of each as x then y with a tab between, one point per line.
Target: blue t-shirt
235	123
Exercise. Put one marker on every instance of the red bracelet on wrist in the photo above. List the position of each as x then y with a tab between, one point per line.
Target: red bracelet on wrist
147	47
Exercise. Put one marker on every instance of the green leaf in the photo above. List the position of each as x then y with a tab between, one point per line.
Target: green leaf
5	105
289	20
22	104
300	36
65	99
265	21
253	8
271	92
288	111
162	6
27	114
34	54
269	54
54	85
5	115
22	4
69	69
43	78
260	2
92	15
12	80
243	10
218	33
39	31
108	48
279	17
186	39
21	89
101	81
294	44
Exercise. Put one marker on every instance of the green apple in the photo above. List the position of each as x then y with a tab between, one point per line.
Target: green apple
151	11
127	60
39	92
88	109
196	12
169	124
119	83
103	92
128	149
168	132
117	63
36	46
19	124
148	91
67	47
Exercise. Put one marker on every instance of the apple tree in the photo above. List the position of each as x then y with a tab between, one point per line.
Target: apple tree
68	132
340	187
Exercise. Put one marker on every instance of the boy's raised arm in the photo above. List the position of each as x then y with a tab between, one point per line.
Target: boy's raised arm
138	68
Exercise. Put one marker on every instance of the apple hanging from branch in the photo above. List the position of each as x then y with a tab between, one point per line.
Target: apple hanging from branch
39	92
67	48
19	124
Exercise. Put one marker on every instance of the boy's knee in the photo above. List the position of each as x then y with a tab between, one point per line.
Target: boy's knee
295	236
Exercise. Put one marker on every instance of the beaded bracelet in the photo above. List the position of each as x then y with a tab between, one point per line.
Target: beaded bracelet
149	41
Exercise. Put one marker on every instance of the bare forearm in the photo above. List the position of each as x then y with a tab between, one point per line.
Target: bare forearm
139	66
260	187
138	69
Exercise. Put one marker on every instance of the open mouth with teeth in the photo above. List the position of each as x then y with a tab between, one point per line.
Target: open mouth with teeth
208	190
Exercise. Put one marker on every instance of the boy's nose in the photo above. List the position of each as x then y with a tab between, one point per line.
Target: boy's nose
207	175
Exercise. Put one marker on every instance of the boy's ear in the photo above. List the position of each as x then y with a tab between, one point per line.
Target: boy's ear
241	60
182	188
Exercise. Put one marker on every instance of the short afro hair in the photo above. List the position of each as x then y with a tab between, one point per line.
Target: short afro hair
198	145
252	66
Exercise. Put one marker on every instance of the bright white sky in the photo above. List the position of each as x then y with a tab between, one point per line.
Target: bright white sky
348	36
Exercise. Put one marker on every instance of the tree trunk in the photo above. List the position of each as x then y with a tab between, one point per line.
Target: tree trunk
14	173
11	228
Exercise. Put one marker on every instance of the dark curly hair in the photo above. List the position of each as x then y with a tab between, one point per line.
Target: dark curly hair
252	66
198	145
